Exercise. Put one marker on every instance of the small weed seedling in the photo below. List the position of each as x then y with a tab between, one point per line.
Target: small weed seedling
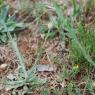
8	24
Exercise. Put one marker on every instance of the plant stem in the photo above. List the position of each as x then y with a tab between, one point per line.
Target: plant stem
18	54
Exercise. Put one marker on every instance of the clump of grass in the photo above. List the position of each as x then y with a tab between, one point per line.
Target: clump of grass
72	32
7	23
1	2
86	38
82	48
90	4
8	26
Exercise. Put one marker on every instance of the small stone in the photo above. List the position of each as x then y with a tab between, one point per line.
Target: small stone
3	66
50	25
42	68
11	76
